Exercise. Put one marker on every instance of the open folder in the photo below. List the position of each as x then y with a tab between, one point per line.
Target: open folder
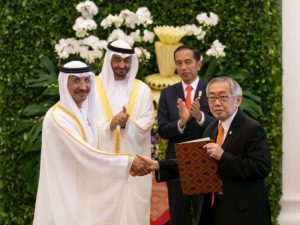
198	171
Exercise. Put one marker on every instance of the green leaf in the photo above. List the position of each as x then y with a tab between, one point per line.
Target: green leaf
43	81
48	64
251	107
211	69
23	124
32	139
30	171
34	110
51	91
249	94
238	74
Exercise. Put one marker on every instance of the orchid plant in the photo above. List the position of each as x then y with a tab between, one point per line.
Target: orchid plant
133	27
90	48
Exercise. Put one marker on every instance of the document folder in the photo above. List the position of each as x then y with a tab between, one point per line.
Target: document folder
198	171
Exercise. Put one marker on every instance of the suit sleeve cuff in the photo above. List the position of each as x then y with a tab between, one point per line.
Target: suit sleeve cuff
201	122
181	130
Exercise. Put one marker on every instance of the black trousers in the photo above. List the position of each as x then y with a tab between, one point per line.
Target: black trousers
180	206
208	211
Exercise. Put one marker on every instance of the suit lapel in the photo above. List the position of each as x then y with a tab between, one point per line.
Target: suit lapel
214	130
232	131
179	91
198	89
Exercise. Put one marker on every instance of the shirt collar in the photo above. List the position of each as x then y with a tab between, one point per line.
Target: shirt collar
226	123
194	84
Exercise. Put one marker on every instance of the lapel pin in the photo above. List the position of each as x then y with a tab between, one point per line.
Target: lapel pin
230	132
199	95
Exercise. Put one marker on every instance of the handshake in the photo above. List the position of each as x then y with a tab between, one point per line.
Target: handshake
142	165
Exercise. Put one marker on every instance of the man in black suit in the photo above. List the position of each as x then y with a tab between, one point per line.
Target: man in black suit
177	127
243	160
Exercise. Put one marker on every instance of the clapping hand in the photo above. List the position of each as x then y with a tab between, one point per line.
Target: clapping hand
123	117
119	120
183	111
196	111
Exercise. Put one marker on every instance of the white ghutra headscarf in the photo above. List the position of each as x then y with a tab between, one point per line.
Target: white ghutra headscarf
86	115
124	50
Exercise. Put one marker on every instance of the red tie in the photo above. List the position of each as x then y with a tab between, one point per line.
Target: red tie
220	134
188	99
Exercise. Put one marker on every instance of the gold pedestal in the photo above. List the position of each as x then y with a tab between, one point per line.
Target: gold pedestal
166	67
157	82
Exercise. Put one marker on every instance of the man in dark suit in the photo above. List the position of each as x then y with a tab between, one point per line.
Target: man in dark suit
243	156
243	159
191	93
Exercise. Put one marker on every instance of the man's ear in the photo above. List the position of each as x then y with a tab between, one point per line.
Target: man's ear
239	100
199	65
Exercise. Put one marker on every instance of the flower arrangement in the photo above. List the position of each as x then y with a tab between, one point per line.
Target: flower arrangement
170	38
133	27
90	48
173	35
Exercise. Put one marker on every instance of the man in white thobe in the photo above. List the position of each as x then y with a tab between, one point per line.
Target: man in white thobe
125	117
78	184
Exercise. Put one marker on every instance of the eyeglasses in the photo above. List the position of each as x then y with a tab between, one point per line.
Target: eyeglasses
221	98
78	81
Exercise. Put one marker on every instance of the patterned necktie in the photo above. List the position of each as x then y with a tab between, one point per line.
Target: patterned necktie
188	98
220	134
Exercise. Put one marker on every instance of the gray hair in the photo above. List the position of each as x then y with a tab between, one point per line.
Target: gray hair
234	86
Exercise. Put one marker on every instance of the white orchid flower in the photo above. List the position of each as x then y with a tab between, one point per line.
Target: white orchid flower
88	9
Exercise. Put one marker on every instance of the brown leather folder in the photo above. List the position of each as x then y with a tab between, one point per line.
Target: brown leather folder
198	171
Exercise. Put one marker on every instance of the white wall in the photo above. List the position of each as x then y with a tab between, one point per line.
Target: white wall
290	202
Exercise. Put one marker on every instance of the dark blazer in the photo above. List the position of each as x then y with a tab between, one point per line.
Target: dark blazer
168	117
244	165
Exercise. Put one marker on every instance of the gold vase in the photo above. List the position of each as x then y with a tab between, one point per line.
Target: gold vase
166	66
165	57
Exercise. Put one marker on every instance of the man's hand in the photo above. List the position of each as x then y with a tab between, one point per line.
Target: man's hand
114	122
214	150
184	113
123	117
152	164
196	111
119	119
139	167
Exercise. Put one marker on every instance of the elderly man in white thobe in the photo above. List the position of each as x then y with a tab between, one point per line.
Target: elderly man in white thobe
79	184
125	117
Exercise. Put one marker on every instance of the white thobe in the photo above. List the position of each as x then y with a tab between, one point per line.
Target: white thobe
78	185
134	139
